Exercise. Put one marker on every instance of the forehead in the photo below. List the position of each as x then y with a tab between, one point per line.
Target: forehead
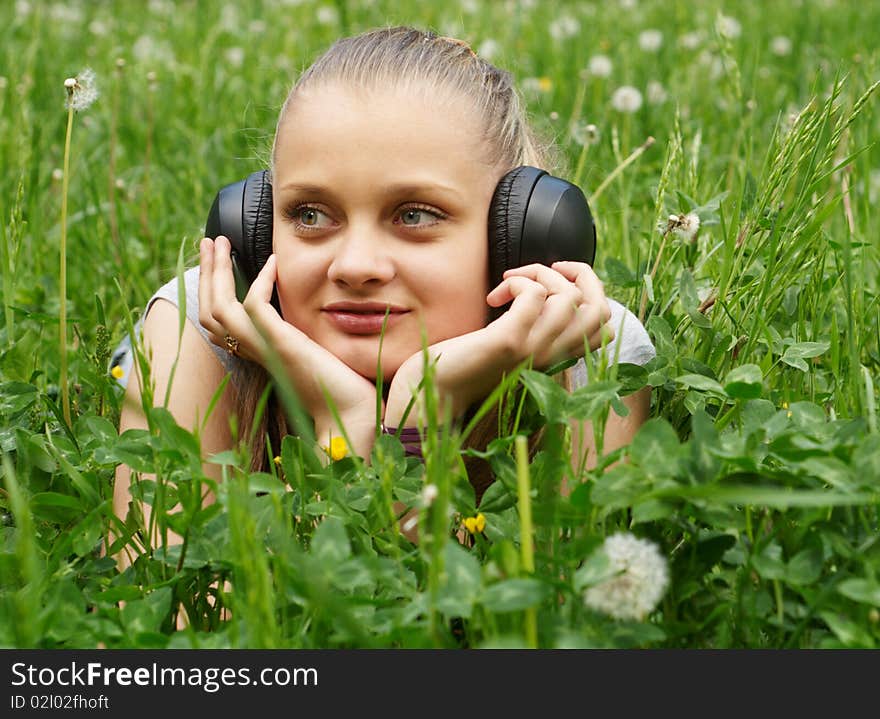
333	130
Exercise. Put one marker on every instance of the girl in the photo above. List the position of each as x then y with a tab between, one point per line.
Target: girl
387	153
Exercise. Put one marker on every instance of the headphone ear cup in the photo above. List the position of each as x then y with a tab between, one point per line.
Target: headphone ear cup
507	214
256	221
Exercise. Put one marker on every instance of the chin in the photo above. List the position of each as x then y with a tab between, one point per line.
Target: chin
366	367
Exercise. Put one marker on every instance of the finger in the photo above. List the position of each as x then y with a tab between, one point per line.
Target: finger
555	282
258	303
262	287
223	281
523	292
206	271
604	335
591	287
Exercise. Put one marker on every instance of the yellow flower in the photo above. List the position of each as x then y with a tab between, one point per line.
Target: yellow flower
545	84
117	372
337	449
277	461
475	524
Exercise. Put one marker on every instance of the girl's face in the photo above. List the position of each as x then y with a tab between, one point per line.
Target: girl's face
380	201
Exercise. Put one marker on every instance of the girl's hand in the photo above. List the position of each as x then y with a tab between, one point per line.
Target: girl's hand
257	326
556	312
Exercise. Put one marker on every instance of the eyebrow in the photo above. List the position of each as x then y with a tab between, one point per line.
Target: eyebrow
394	190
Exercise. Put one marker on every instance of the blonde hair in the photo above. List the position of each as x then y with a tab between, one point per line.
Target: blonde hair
448	71
444	68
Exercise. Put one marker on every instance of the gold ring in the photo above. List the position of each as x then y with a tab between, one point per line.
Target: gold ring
231	345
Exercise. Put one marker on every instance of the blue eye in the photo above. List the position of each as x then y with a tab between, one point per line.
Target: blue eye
412	216
304	217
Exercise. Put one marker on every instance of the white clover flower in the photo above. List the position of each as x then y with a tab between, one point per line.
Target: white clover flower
655	93
22	8
685	226
564	27
640	581
469	7
626	99
650	40
488	49
600	66
3	82
728	27
257	27
326	15
429	494
628	4
81	90
780	45
57	174
585	133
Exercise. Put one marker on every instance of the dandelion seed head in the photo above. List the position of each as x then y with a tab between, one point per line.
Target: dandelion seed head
600	66
564	27
650	40
234	56
98	28
640	581
57	174
780	46
691	40
488	49
685	226
81	90
585	134
554	116
655	93
326	15
626	99
728	27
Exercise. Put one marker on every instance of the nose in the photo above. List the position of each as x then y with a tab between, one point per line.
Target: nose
361	257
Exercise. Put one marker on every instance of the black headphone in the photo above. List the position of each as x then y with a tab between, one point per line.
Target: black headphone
534	217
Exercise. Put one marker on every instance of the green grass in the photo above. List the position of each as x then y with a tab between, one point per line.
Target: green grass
757	476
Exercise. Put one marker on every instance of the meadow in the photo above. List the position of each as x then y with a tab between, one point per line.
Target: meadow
728	151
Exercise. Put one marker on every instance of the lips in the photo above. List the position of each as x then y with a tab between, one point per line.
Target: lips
363	318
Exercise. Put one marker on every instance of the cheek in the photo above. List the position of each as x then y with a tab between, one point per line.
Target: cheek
455	302
296	280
